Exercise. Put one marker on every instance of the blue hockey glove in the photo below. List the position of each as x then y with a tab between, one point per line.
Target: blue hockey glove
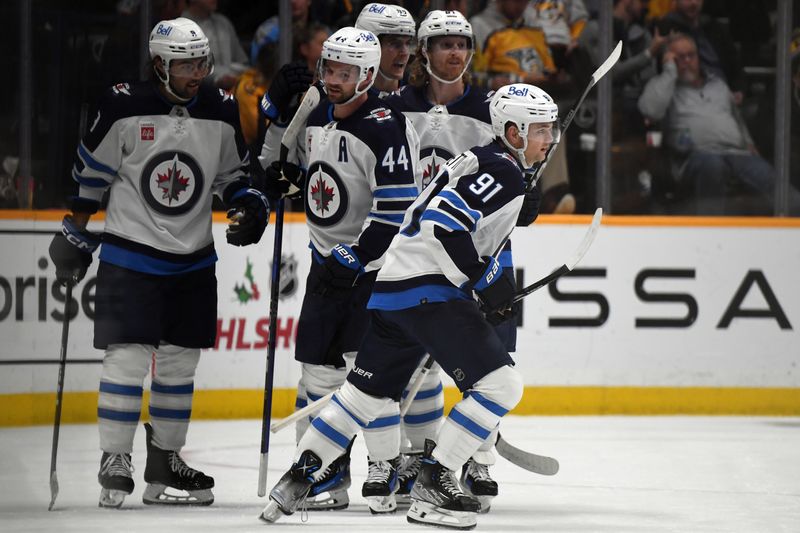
530	207
339	272
285	183
494	290
281	101
248	211
71	251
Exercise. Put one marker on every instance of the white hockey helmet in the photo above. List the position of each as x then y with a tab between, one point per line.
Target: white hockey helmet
523	105
180	38
383	19
438	23
353	46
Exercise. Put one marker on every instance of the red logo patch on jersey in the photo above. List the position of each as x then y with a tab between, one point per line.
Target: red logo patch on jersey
148	132
380	114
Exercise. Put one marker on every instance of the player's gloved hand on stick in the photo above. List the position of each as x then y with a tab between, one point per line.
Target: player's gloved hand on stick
71	251
339	272
281	101
530	207
248	211
495	291
286	182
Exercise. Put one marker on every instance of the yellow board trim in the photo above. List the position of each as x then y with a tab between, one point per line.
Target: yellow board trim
81	407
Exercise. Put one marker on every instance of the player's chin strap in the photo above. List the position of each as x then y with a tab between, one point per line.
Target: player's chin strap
442	80
165	80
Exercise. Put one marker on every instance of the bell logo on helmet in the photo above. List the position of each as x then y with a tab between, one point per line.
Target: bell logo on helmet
163	30
368	37
517	91
376	8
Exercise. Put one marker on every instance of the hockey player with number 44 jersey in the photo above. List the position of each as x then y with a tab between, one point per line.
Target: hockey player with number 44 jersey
161	150
360	158
424	300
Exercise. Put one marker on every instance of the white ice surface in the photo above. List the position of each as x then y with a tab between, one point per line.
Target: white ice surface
618	474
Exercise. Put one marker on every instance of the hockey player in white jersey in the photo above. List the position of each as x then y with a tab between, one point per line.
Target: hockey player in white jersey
424	300
361	160
160	149
450	115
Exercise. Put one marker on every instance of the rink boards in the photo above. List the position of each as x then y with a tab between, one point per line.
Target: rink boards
663	316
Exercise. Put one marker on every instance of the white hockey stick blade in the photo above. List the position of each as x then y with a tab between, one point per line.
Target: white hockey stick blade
538	464
309	102
588	239
610	61
308	410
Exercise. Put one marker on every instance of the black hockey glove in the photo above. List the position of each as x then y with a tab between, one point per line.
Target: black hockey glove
529	211
71	251
281	101
248	211
286	184
339	272
495	291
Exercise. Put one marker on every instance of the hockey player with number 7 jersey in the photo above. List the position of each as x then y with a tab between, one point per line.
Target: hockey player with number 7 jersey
424	301
361	159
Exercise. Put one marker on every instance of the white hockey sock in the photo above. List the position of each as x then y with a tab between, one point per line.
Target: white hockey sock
316	381
485	454
472	420
382	435
331	431
424	416
171	395
120	400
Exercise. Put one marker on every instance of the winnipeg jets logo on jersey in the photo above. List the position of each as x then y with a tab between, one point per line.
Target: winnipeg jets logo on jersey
326	196
172	182
431	159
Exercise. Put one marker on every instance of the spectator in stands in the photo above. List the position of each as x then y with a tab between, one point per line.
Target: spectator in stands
717	51
639	52
562	22
308	43
229	57
509	48
711	149
252	85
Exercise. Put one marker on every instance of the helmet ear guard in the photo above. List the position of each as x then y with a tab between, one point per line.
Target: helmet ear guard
522	104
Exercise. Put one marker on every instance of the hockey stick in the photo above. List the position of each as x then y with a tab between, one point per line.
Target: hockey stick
62	363
405	405
587	241
288	141
598	74
539	464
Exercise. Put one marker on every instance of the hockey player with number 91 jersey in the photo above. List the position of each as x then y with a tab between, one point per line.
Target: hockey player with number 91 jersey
361	159
424	300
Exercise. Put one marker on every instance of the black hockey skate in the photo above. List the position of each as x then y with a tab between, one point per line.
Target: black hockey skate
406	474
166	470
380	486
437	499
476	481
293	488
115	478
329	493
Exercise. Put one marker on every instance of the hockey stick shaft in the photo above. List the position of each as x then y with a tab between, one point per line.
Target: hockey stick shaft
288	141
405	405
598	74
62	364
308	410
587	241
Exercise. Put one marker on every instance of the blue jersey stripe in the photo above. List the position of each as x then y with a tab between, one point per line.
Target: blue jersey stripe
393	218
187	388
330	432
424	418
118	416
467	423
383	422
93	163
486	403
95	183
442	219
395	192
392	301
459	203
150	265
175	414
123	390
